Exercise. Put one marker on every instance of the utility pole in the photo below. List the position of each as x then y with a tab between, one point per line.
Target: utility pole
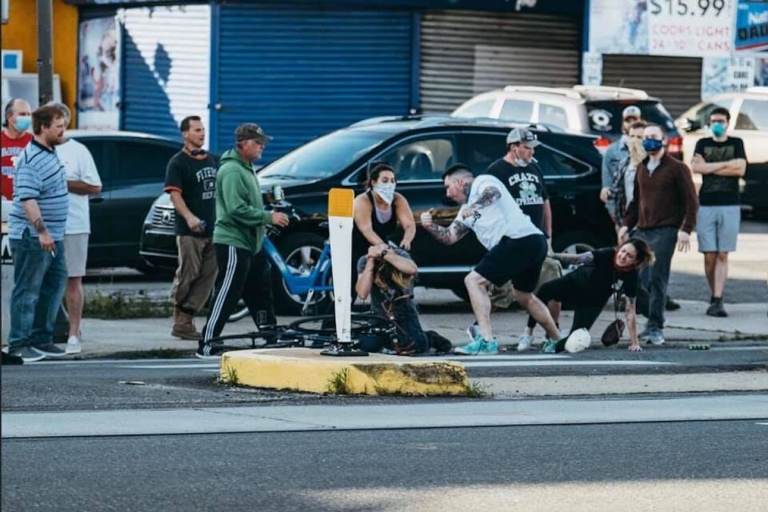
45	51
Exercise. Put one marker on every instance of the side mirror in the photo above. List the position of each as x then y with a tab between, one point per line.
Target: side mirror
691	125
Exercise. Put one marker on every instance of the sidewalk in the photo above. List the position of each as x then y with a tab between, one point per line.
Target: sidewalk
746	324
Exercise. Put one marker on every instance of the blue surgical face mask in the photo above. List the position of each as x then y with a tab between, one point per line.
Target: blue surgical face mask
23	123
718	129
652	145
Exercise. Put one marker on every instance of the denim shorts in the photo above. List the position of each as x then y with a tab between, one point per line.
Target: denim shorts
717	228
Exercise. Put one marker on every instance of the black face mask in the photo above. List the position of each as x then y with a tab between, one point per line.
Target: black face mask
197	152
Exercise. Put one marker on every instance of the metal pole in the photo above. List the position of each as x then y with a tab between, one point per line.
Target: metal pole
45	51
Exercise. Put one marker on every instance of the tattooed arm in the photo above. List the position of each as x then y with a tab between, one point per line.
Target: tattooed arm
489	196
578	259
447	236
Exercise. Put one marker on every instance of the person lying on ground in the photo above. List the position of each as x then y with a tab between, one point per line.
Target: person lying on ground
603	272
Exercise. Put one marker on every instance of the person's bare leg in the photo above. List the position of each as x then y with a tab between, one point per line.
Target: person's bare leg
539	312
74	301
477	288
554	310
710	259
720	274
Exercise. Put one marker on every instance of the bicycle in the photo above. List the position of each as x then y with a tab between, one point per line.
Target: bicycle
307	278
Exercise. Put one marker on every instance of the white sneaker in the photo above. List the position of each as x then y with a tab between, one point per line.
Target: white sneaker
73	345
524	342
579	340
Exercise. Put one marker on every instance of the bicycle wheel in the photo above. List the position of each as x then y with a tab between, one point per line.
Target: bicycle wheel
326	324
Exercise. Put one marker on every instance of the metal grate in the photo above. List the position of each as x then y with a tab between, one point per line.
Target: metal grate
162	216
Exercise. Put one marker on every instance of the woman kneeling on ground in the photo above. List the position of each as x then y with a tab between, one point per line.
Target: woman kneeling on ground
603	272
387	274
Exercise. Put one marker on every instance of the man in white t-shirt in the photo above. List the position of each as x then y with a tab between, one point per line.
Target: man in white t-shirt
82	181
516	251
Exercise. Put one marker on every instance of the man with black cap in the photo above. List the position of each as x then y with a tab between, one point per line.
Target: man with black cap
615	156
244	271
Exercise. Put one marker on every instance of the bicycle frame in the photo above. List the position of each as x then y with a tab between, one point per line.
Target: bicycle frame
317	281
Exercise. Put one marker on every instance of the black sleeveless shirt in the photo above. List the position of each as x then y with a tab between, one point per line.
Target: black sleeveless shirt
385	230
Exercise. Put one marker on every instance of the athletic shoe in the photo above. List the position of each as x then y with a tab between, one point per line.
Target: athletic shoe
656	338
473	331
10	358
716	309
671	305
28	355
578	340
549	347
473	348
490	348
524	342
645	335
208	351
49	350
73	345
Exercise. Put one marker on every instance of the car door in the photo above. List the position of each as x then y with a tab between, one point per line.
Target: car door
751	125
137	180
98	242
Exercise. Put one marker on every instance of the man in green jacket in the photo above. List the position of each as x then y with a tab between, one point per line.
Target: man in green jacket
244	270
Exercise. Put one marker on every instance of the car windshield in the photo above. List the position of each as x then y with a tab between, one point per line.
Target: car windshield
605	116
325	156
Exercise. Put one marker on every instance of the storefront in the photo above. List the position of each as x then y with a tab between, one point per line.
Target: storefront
303	68
679	51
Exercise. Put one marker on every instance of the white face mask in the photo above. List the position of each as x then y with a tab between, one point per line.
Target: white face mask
386	191
520	162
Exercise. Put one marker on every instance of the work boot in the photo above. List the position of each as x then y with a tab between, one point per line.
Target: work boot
183	326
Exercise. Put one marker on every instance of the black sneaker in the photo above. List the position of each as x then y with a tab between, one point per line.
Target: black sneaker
671	305
49	350
28	355
11	358
208	351
716	309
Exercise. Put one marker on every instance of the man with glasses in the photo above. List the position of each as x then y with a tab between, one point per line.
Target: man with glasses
721	161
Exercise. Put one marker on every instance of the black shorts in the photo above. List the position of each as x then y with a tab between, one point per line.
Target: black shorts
518	260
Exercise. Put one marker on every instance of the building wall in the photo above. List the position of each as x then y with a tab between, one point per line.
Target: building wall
20	33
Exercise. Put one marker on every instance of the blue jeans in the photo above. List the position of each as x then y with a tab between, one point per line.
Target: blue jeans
656	277
40	280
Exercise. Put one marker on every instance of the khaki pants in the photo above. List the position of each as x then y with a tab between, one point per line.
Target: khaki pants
196	274
504	296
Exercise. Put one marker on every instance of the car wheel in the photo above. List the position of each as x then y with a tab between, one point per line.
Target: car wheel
460	291
241	311
300	252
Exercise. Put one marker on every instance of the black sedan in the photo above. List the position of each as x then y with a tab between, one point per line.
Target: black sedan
419	149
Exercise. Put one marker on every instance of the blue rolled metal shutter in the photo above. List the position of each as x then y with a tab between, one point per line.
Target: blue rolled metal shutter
167	67
301	73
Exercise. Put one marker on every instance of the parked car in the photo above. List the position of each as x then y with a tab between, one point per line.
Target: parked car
749	121
132	170
594	110
419	149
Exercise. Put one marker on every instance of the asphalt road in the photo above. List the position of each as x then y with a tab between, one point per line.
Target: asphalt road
93	385
682	466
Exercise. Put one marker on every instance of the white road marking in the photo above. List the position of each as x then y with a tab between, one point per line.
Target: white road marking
505	364
168	366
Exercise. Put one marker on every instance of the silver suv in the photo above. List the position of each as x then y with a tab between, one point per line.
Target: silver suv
593	110
749	121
